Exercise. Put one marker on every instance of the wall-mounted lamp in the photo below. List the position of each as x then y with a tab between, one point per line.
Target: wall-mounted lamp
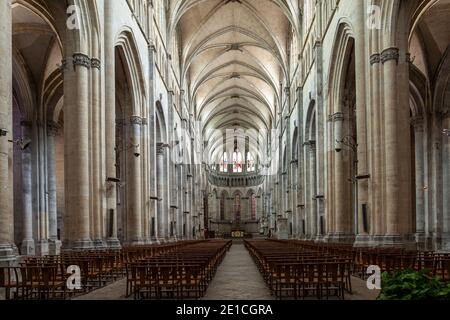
21	143
348	141
446	132
113	180
137	154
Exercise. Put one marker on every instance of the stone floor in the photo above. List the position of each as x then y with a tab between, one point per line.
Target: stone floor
237	278
115	291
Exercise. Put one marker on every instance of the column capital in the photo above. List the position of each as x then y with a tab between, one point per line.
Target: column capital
390	54
52	129
120	122
160	148
95	63
136	120
375	58
152	47
417	122
311	144
338	116
445	114
330	118
82	60
287	90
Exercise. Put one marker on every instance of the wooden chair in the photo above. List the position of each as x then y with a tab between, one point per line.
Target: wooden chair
10	281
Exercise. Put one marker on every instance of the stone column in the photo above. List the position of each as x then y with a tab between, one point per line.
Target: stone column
145	183
313	187
7	246
161	184
389	58
76	145
134	195
343	213
54	243
377	212
420	180
110	126
172	193
28	246
97	177
42	248
180	210
189	207
445	237
294	190
362	125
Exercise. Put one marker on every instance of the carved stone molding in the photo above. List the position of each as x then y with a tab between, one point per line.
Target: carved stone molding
136	120
160	148
444	114
120	122
235	47
82	60
287	91
95	63
311	144
390	54
338	116
330	118
53	129
417	123
375	58
144	121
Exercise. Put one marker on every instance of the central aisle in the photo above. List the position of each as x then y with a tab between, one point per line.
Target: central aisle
237	278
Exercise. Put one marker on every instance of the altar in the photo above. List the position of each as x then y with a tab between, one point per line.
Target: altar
238	234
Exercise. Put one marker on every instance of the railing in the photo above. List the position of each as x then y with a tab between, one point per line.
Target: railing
220	179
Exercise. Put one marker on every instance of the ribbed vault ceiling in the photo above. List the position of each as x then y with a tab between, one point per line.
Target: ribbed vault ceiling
234	60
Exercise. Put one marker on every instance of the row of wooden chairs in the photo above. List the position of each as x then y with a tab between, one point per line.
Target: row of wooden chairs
388	259
45	278
294	273
184	273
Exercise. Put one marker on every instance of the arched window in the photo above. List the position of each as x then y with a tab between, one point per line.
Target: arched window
237	162
253	207
237	207
224	163
222	207
251	167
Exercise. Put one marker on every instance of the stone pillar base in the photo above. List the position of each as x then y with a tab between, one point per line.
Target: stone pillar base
421	240
445	242
362	241
376	241
7	255
319	238
148	241
27	248
343	238
42	248
113	243
54	247
136	242
79	245
398	241
282	232
100	244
